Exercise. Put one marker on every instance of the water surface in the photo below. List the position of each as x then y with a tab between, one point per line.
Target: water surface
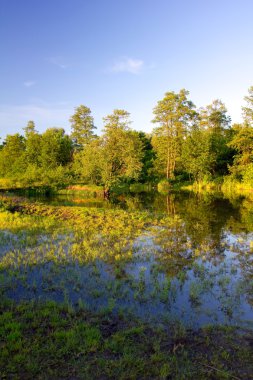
197	270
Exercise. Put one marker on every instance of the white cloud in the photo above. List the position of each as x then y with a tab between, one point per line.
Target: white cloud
58	61
29	83
129	65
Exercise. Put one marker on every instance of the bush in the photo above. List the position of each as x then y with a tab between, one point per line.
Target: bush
164	186
247	176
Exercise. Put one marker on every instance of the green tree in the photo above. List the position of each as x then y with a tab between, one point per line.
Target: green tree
30	128
12	156
121	150
115	156
248	109
160	147
56	148
196	154
32	144
147	172
87	163
174	114
82	125
247	174
242	142
214	119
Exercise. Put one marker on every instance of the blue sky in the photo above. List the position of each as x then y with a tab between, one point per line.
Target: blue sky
107	54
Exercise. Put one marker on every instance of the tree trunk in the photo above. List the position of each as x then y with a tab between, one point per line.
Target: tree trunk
168	165
106	192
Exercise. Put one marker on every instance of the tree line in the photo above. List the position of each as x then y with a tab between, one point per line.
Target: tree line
185	144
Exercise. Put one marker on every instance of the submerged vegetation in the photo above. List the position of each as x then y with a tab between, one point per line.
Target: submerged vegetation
163	291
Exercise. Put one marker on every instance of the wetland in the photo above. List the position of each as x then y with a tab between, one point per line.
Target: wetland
164	281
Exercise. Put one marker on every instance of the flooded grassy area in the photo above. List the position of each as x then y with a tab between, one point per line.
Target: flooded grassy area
139	287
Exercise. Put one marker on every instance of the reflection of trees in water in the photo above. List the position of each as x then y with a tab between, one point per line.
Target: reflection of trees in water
196	230
205	216
133	202
170	201
204	221
174	253
244	221
246	265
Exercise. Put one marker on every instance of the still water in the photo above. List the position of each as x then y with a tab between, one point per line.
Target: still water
198	271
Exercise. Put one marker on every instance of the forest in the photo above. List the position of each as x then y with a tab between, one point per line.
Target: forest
186	145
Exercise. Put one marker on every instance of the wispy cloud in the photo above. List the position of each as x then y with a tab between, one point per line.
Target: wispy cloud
128	65
29	83
58	61
44	115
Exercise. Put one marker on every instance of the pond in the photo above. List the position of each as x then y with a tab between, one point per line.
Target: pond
163	258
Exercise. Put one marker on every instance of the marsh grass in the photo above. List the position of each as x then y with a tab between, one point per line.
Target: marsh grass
102	281
51	341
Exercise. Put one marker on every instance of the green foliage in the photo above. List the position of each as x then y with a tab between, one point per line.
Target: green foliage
56	148
118	120
147	173
116	155
139	187
33	148
248	109
174	114
12	156
121	150
82	125
247	176
159	143
242	142
36	160
214	117
164	186
184	145
87	162
196	154
30	128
